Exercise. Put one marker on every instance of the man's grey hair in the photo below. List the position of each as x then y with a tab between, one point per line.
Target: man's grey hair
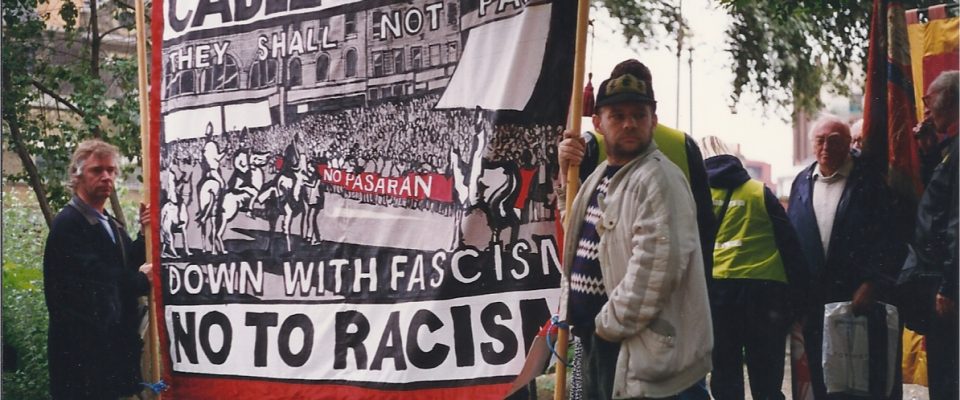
87	148
829	120
948	85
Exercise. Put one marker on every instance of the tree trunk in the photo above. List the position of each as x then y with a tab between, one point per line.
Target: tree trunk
95	42
35	182
32	173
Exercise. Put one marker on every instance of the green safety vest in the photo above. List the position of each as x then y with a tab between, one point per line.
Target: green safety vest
671	142
746	247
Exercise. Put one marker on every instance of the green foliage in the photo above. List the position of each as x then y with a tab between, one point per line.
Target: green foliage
58	91
24	311
785	51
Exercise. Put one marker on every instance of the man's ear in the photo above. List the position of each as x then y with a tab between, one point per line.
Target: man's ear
596	121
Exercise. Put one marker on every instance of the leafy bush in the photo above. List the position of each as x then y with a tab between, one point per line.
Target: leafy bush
24	310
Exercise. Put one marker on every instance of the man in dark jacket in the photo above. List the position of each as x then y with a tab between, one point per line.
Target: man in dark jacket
841	213
933	251
758	277
91	284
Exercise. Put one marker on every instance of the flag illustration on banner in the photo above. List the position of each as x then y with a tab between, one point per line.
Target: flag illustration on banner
890	109
934	35
356	197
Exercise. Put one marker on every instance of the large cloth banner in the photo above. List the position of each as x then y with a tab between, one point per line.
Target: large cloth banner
356	197
889	113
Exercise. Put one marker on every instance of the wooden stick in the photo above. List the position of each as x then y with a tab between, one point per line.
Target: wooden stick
153	341
573	173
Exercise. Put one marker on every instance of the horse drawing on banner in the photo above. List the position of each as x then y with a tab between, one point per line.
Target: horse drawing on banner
285	196
498	190
481	184
209	192
173	213
243	188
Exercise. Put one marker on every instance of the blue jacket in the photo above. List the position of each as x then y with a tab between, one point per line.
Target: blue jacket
862	248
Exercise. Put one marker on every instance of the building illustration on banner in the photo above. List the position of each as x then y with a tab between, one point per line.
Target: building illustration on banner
277	106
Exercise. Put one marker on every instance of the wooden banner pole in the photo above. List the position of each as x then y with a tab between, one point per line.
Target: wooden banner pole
146	167
573	172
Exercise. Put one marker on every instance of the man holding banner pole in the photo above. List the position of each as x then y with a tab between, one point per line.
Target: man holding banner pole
91	283
633	289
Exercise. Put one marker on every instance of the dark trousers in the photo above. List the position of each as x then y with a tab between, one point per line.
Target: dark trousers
755	333
942	371
599	367
813	347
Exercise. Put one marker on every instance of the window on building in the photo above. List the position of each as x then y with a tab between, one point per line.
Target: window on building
397	90
435	55
452	54
220	77
416	58
180	82
188	81
263	73
453	13
375	26
373	95
387	62
323	67
384	92
350	24
398	61
377	63
351	63
295	73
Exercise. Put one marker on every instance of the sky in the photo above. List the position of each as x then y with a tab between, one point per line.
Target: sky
763	136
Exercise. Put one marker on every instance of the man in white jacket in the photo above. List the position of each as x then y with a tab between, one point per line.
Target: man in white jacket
633	287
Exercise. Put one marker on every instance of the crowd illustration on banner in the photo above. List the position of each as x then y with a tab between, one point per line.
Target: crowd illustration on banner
402	156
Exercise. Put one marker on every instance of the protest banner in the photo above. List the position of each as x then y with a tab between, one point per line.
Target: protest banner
356	198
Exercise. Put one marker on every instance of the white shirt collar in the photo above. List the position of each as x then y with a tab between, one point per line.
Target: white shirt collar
840	173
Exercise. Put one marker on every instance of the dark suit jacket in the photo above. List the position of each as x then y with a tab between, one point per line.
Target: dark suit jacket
91	287
862	248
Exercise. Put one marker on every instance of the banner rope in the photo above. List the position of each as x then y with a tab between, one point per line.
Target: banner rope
157	387
556	323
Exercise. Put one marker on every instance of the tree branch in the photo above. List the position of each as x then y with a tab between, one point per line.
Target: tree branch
114	29
47	91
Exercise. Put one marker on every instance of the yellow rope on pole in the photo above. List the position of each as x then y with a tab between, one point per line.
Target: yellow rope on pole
573	171
153	341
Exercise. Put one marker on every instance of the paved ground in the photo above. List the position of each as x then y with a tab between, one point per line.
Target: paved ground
910	392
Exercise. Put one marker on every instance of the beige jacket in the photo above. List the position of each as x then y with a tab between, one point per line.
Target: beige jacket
653	273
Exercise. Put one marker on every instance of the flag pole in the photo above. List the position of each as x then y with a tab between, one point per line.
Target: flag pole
573	171
146	157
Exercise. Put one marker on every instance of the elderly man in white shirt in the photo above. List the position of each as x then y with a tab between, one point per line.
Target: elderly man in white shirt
843	214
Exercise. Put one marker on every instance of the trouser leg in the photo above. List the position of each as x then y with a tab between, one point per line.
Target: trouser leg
765	348
813	347
599	367
726	380
942	359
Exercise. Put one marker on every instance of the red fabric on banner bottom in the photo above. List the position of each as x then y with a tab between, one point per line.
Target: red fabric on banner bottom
207	388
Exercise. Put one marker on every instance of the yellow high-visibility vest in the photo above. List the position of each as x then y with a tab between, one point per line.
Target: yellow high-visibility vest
746	247
671	142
